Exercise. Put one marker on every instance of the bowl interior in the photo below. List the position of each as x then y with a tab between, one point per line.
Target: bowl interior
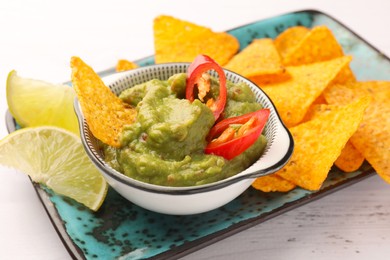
279	141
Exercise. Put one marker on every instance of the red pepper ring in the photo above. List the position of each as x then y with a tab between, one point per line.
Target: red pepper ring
200	65
237	145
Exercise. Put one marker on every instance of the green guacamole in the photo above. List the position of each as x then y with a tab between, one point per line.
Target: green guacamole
165	145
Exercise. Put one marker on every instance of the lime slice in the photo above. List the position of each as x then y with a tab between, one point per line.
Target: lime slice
55	157
36	103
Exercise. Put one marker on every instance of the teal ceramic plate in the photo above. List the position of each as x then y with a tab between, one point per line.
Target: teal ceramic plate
125	231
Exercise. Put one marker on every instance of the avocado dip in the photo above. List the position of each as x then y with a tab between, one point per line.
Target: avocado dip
165	145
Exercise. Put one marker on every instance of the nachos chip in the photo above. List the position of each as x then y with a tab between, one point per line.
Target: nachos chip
346	75
289	39
372	137
318	44
314	108
293	97
259	61
104	112
181	41
298	46
124	65
273	183
350	158
319	142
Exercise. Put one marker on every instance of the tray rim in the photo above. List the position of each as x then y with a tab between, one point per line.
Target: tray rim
191	246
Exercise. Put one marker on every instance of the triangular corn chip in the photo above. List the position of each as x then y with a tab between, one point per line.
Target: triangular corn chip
350	158
259	61
124	65
181	41
372	138
319	142
293	97
289	39
318	44
273	183
105	113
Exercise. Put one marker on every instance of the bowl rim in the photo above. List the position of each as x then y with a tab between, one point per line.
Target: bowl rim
105	169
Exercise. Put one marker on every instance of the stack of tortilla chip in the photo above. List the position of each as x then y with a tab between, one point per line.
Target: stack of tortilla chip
334	119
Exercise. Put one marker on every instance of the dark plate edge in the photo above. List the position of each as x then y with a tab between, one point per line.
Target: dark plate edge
190	247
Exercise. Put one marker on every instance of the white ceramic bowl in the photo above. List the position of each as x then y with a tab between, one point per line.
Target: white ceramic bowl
195	199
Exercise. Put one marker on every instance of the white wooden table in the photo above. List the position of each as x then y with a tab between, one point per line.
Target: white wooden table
39	37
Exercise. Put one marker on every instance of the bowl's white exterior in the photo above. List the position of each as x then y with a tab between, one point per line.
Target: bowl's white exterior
176	204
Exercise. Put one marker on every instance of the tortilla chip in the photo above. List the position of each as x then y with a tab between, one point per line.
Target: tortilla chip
319	142
267	79
293	98
350	158
320	100
104	112
288	40
317	45
180	41
306	47
346	75
258	59
124	65
372	138
314	107
341	94
272	183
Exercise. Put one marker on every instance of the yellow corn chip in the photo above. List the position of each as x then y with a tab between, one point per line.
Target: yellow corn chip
320	100
317	45
259	59
345	75
319	142
266	79
180	41
314	107
104	112
372	138
289	39
293	97
350	158
341	94
272	183
123	65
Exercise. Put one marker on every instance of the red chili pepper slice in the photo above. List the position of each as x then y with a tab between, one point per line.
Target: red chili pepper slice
223	143
196	78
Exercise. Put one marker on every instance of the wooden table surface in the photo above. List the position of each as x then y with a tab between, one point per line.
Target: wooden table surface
39	37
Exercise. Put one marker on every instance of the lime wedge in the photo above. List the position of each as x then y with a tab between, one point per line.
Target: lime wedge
55	157
35	103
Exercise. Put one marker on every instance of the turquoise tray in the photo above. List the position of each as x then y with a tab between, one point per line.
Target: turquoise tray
123	230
